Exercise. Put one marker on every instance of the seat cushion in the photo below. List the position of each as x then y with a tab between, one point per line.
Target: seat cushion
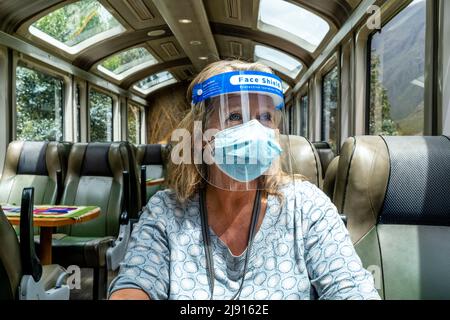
85	252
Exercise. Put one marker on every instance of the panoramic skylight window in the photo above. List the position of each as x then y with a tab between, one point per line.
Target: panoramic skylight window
76	26
154	82
123	64
278	60
293	23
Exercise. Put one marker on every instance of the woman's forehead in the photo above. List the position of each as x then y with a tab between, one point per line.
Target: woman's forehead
237	99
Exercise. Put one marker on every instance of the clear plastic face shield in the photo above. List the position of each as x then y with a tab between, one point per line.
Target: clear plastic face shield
243	147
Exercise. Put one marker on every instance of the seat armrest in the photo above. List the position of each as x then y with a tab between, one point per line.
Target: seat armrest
116	253
59	186
32	290
30	262
32	284
143	185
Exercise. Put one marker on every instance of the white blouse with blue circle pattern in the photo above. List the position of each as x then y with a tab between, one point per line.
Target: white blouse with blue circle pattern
301	251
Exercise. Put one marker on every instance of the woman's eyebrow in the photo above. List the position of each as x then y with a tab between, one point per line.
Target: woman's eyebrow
234	107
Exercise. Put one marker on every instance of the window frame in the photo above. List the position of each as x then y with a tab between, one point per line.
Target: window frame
5	100
71	52
333	62
18	60
115	127
301	115
291	119
427	66
126	74
273	30
140	119
275	65
362	69
80	110
156	87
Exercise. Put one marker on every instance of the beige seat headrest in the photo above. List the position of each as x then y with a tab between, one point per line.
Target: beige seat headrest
301	158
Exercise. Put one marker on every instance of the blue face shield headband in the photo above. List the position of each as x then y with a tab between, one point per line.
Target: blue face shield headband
240	82
246	144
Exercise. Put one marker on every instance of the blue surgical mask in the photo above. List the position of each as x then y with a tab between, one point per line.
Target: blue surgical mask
247	151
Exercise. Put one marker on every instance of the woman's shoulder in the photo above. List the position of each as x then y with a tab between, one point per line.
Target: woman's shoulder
305	198
301	189
165	205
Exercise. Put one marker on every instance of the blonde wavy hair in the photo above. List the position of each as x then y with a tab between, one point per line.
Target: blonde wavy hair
185	179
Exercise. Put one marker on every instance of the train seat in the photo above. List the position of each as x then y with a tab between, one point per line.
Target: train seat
395	193
330	178
150	156
326	154
96	177
21	274
41	165
304	159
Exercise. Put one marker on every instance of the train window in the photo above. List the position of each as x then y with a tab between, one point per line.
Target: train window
154	82
76	26
123	64
304	116
329	107
100	116
397	69
278	60
39	105
134	124
293	23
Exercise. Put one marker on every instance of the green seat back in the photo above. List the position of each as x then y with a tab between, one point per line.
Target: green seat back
95	178
32	164
395	193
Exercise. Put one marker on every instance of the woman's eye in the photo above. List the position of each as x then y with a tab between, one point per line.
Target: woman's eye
235	117
265	117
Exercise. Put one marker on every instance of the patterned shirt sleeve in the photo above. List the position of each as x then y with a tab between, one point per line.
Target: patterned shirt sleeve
147	261
335	270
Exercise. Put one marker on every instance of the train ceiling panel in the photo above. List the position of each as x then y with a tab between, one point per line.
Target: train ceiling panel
184	73
14	13
236	12
178	36
141	14
189	23
234	47
353	3
167	48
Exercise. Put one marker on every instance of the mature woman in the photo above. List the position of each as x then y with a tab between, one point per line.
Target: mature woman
233	225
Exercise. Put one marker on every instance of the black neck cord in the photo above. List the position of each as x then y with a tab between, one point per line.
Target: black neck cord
207	240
